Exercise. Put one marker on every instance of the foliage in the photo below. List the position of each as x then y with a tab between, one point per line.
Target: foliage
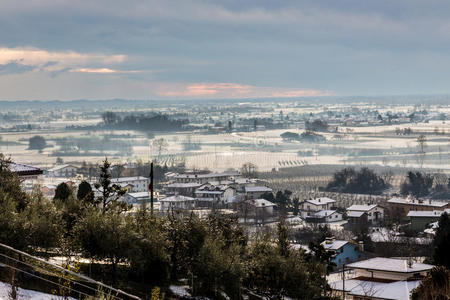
37	142
441	242
364	181
153	122
110	193
249	170
435	286
62	192
417	184
85	192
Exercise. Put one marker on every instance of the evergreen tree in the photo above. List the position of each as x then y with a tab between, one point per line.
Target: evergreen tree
110	192
85	192
441	242
62	192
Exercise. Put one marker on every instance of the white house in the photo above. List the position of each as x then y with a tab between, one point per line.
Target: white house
375	213
136	198
204	178
324	216
63	171
381	278
310	207
177	203
210	195
132	184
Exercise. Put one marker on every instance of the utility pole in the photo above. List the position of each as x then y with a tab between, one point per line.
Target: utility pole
150	189
343	281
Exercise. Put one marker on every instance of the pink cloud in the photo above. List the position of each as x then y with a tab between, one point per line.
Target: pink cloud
234	90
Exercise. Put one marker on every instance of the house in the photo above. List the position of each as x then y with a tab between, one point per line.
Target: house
24	171
63	171
381	278
209	195
420	219
177	203
204	178
185	189
344	252
324	216
132	184
255	192
400	207
356	220
258	209
310	207
375	213
136	198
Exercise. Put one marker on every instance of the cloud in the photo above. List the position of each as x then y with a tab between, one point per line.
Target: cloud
103	71
234	90
15	68
30	59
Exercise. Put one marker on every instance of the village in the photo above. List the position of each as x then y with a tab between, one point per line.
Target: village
355	233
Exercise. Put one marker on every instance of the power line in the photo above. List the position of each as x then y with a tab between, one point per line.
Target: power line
53	274
88	279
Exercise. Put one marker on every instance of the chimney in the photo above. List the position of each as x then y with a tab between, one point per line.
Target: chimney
361	246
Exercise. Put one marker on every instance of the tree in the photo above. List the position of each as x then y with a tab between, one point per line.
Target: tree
435	286
85	192
417	184
296	204
249	170
37	142
161	145
106	236
441	242
110	193
364	181
422	142
62	192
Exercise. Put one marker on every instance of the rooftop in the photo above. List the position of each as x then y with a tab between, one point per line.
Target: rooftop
398	290
334	244
23	170
365	207
390	265
250	189
324	213
262	203
177	198
408	201
355	214
321	201
56	168
428	214
125	179
209	175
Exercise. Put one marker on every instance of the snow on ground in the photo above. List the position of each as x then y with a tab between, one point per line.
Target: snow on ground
23	294
180	291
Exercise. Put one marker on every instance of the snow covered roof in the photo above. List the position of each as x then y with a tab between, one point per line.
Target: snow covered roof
355	214
390	265
398	290
22	169
364	207
126	179
139	195
184	185
418	202
427	214
60	167
209	175
256	189
321	201
177	198
334	244
262	203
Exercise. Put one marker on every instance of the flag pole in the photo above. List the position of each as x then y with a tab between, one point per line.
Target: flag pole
151	189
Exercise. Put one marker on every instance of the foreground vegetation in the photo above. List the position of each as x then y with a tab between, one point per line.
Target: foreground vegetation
137	252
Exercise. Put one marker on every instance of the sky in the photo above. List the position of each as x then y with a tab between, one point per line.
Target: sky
206	49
